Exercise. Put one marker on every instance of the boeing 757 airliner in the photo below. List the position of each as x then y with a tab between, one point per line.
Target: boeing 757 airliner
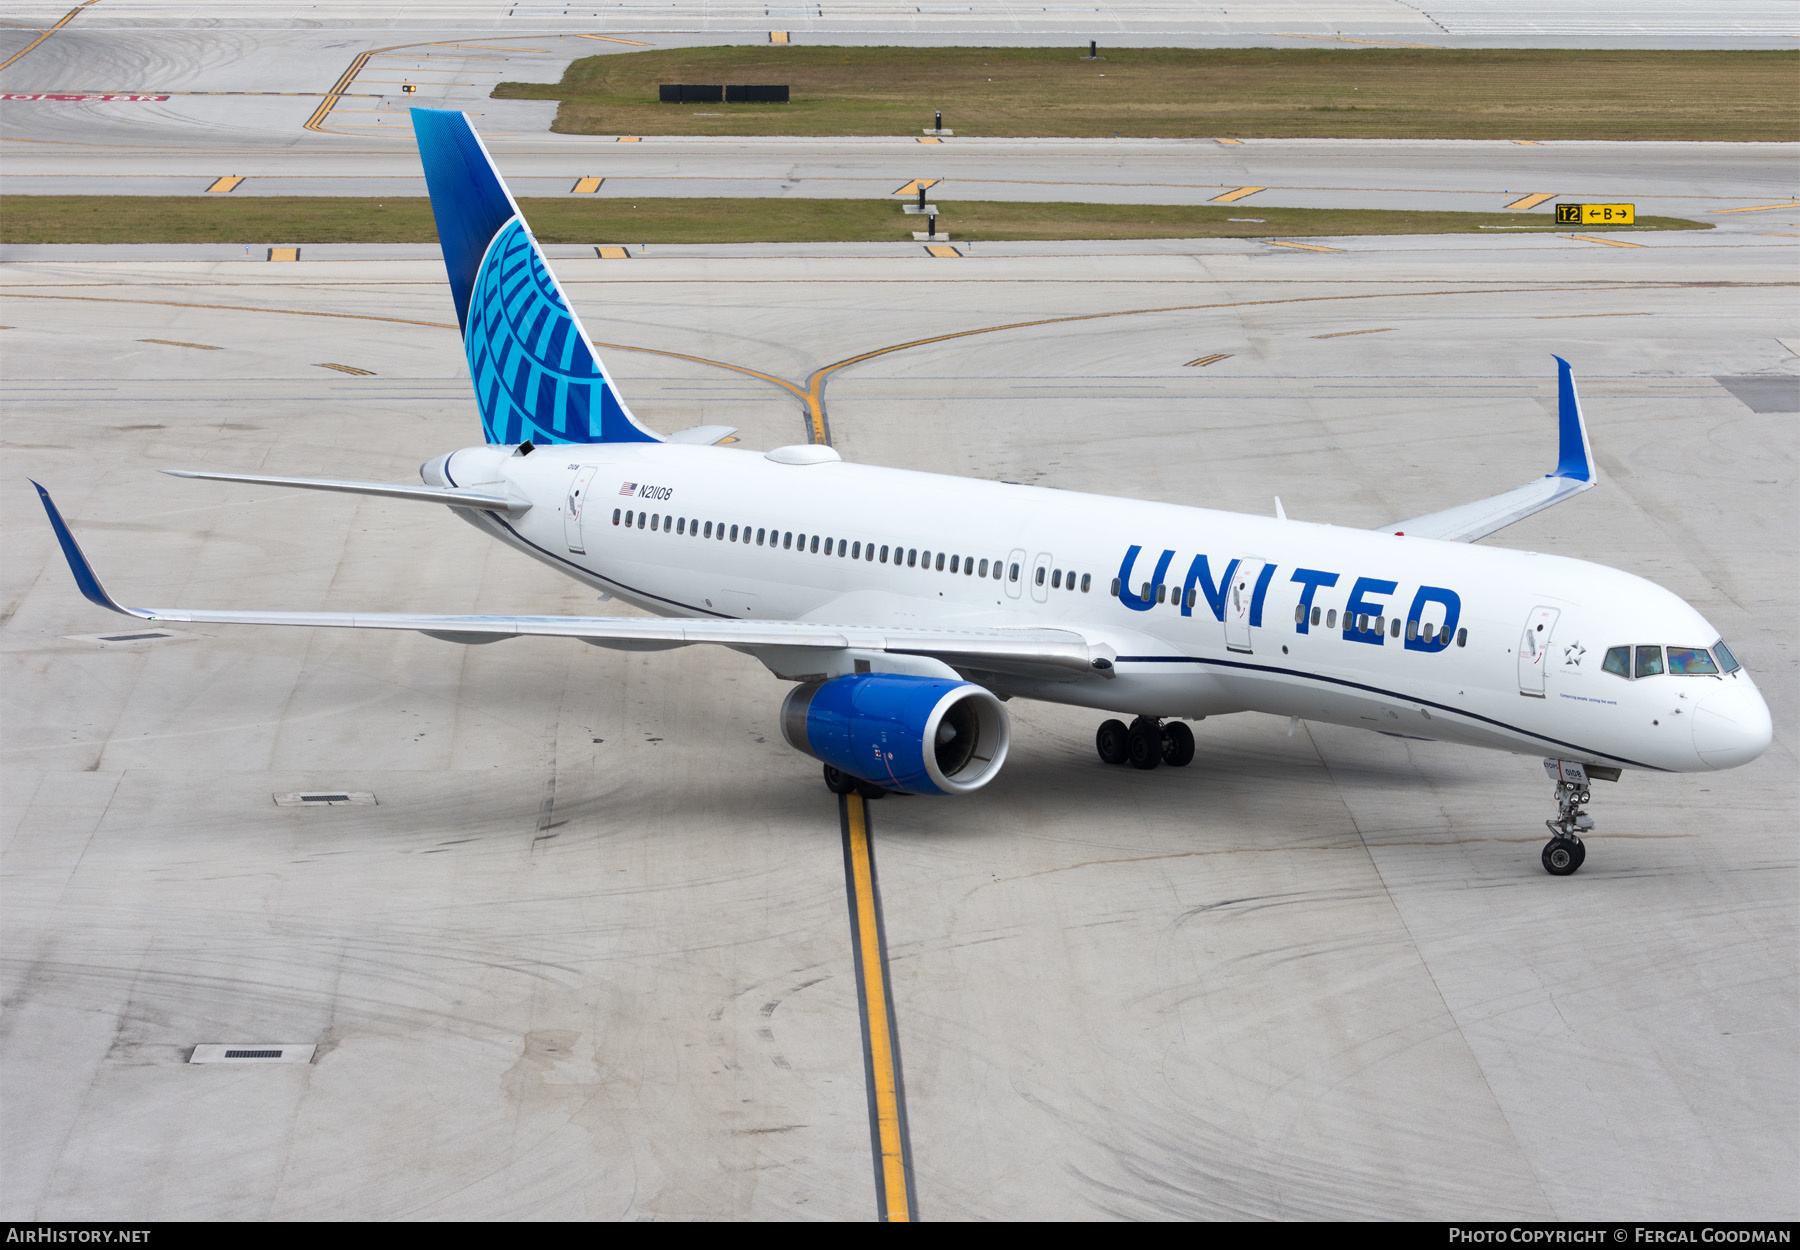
908	607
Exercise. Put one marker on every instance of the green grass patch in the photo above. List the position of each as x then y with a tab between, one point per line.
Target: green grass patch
1302	92
264	220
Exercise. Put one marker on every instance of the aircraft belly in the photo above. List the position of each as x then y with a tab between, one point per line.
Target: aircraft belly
1187	695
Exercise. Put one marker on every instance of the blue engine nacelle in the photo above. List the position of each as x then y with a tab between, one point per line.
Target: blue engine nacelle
920	735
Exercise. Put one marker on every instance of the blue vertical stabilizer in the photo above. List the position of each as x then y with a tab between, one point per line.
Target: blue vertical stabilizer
535	373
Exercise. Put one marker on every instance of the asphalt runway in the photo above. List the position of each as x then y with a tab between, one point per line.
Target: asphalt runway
593	950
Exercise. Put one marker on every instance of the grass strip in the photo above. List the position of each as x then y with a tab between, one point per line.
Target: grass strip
1241	93
260	220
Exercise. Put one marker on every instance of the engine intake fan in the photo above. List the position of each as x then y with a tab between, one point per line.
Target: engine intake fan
918	735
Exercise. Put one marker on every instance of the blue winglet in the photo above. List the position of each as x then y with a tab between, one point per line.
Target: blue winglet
78	563
1573	459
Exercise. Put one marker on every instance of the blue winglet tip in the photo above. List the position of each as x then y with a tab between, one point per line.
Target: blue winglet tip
85	581
1572	450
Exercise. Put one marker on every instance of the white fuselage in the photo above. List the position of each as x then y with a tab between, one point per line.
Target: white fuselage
1520	669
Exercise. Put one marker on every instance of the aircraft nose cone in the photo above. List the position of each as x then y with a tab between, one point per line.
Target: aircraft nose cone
1732	726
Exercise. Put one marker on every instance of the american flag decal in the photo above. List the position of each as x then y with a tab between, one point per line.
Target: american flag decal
629	488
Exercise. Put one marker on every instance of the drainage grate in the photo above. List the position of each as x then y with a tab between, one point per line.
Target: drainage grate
252	1052
326	798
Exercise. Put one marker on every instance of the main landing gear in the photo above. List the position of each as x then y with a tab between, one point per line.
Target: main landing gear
1565	851
1145	743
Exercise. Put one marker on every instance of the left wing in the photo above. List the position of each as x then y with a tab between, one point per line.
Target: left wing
1574	473
1063	652
452	496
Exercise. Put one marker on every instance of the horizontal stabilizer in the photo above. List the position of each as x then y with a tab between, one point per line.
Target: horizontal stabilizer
703	435
452	496
1574	473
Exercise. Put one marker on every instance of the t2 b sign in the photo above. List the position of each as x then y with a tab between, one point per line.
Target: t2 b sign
1596	214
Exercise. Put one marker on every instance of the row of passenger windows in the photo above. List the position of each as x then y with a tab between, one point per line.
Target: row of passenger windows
1681	661
1366	624
788	540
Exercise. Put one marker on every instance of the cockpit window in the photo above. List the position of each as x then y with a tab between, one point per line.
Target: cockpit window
1691	662
1649	661
1727	661
1618	660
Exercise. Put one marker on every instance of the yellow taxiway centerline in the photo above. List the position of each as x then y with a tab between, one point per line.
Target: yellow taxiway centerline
66	19
887	1128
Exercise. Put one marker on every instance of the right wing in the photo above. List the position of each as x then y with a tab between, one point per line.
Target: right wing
1060	653
1574	473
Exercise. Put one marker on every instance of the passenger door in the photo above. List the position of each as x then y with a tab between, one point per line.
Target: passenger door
1534	650
1237	604
578	490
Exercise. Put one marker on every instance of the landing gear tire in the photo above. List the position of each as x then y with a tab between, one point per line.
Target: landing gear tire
1144	743
1109	741
869	790
1177	745
839	782
1562	856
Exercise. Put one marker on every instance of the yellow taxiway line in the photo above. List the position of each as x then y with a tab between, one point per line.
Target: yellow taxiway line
66	19
1591	238
881	1052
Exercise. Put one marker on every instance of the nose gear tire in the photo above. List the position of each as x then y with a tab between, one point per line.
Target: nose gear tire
1562	856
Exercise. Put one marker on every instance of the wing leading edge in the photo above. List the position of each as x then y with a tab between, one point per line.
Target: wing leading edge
450	496
1574	473
1065	651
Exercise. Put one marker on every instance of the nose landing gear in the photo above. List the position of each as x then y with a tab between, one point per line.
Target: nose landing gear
1565	851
